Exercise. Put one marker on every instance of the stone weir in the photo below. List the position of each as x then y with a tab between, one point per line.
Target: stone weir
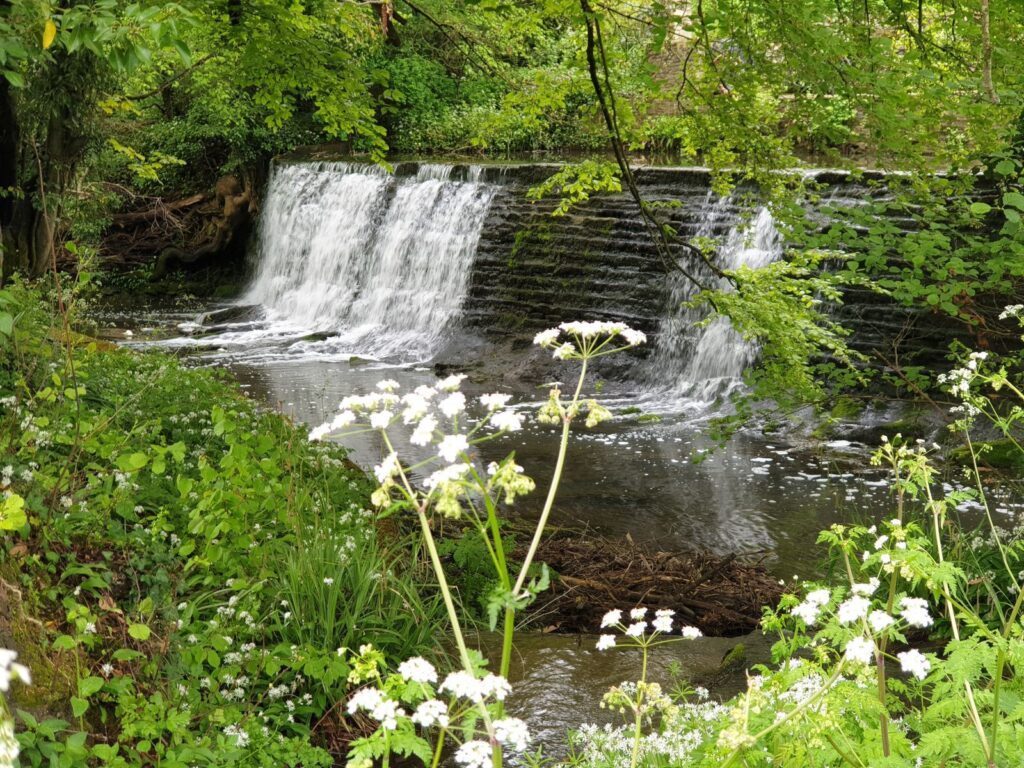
523	269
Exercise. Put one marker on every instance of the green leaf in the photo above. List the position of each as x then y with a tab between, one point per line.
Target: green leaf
78	706
12	513
980	209
1014	200
6	323
14	78
139	631
89	685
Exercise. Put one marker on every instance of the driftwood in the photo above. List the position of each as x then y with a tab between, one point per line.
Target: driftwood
721	595
161	209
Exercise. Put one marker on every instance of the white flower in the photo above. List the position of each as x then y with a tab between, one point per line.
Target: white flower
387	385
424	432
866	589
636	629
879	620
343	419
429	712
634	337
416	407
453	404
808	612
494	401
449	474
387	469
387	713
860	649
451	383
914	663
691	633
451	446
880	541
418	670
328	580
818	597
915	612
546	338
512	732
466	686
637	613
510	421
11	670
611	618
496	686
853	609
474	754
564	351
662	624
366	699
604	642
381	419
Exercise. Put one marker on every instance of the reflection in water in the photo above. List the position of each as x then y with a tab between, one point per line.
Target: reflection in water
755	495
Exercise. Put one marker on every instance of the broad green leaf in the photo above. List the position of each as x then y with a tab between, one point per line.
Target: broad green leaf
139	631
12	513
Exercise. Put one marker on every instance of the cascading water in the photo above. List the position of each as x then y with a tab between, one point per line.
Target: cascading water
703	362
382	264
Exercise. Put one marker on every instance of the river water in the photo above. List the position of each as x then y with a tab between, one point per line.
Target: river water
359	276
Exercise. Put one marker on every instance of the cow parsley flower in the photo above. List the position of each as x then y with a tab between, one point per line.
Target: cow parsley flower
880	620
451	446
634	337
381	419
474	754
449	474
636	629
387	469
364	699
915	612
424	432
861	650
662	624
818	597
913	662
451	383
547	338
507	420
691	633
387	385
494	401
429	712
611	618
418	670
512	732
604	642
637	613
852	609
453	404
866	589
807	612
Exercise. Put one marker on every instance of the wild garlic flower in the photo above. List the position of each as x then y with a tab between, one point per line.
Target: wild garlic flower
913	662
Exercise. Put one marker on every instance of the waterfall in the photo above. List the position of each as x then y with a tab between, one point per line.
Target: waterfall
706	362
380	262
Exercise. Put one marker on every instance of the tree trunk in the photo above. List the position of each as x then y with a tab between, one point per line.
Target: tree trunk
986	54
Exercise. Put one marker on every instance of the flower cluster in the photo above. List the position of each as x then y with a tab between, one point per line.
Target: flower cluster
439	417
460	699
584	340
639	627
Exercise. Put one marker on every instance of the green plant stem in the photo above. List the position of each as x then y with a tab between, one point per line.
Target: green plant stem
955	627
1000	665
553	490
641	687
438	750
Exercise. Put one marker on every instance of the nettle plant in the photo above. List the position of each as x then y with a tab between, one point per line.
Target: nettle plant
472	713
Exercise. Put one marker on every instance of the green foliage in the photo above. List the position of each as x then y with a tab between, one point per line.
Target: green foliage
168	523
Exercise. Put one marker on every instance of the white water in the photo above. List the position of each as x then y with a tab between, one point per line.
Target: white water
704	362
382	264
